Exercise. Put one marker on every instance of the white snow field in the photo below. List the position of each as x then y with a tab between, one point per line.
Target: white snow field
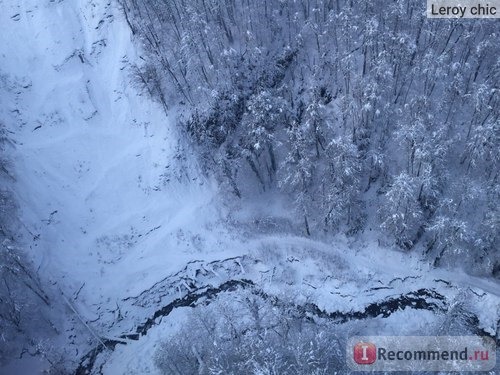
106	203
112	204
92	156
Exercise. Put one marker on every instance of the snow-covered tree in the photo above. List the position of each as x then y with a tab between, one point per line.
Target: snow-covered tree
340	184
401	214
298	171
266	114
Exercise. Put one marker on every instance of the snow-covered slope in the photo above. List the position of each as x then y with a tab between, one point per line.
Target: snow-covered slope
97	170
115	213
108	200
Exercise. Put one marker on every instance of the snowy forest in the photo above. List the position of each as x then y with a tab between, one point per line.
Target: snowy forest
238	187
360	112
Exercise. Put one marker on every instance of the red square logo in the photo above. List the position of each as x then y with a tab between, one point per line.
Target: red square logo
365	353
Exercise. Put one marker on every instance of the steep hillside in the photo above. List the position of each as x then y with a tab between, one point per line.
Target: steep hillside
138	251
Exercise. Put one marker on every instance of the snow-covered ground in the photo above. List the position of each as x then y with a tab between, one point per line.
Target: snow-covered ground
92	156
111	207
107	201
301	272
